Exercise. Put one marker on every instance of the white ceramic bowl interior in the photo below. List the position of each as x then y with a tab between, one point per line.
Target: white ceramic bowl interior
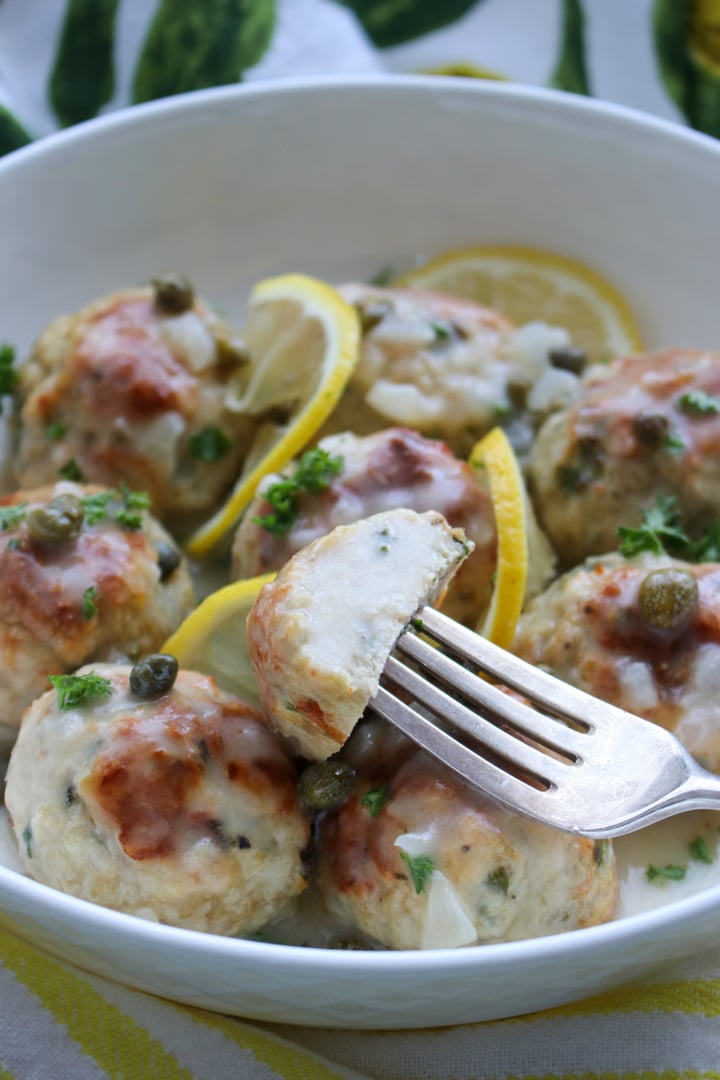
340	179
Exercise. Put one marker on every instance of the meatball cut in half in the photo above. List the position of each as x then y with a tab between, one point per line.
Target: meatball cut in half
180	808
641	633
416	859
133	388
347	478
643	425
451	368
319	635
85	573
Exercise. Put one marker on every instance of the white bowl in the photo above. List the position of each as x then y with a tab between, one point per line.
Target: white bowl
340	179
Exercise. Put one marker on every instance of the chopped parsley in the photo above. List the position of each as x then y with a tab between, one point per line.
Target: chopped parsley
8	374
313	474
12	515
674	443
441	331
71	471
375	800
74	690
499	879
660	530
669	872
699	851
95	507
421	868
124	507
89	606
707	547
55	432
698	403
209	444
130	513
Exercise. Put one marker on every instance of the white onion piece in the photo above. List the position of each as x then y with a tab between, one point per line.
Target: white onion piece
447	925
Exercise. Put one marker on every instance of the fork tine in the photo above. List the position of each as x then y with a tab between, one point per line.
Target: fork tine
500	785
518	756
566	741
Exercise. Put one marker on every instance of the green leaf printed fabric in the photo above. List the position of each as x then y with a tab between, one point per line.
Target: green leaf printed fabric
392	22
83	75
194	44
570	71
12	134
687	45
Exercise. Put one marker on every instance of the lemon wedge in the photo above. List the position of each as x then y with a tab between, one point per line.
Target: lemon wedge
213	638
527	285
495	456
304	341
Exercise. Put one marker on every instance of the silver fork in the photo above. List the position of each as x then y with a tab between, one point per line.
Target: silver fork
569	760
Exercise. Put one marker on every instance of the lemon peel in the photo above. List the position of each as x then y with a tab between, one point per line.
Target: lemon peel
528	284
495	456
213	638
305	340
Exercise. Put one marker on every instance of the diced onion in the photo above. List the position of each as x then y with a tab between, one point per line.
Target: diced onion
447	924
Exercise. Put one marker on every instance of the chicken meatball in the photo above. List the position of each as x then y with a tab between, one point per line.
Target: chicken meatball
416	859
641	633
643	425
131	389
182	808
85	574
450	368
351	477
319	635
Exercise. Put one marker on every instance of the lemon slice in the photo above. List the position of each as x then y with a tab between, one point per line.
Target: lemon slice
213	638
495	456
304	340
528	285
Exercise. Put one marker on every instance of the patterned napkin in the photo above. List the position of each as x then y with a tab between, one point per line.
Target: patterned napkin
63	61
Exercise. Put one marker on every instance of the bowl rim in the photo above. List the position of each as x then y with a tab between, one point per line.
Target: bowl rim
29	894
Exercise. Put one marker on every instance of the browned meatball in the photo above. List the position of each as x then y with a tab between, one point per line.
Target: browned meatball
114	584
124	391
641	633
417	859
643	425
182	809
390	469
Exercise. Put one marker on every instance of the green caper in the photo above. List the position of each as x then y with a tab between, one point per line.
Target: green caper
153	675
651	429
568	358
168	558
173	294
58	522
326	784
667	599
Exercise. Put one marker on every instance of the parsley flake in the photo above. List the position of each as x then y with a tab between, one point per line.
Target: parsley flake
669	872
74	690
697	403
55	432
71	471
209	444
312	475
89	606
95	507
421	869
441	331
375	800
674	443
8	374
499	878
130	513
660	530
699	851
12	515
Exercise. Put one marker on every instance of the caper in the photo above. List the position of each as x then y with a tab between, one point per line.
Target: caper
326	784
568	358
58	522
173	294
651	429
168	558
667	599
153	675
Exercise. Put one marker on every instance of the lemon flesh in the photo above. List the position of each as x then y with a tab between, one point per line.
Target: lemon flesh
304	341
495	456
528	285
213	638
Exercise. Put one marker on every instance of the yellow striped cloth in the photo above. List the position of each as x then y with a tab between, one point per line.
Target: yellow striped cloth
58	1022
